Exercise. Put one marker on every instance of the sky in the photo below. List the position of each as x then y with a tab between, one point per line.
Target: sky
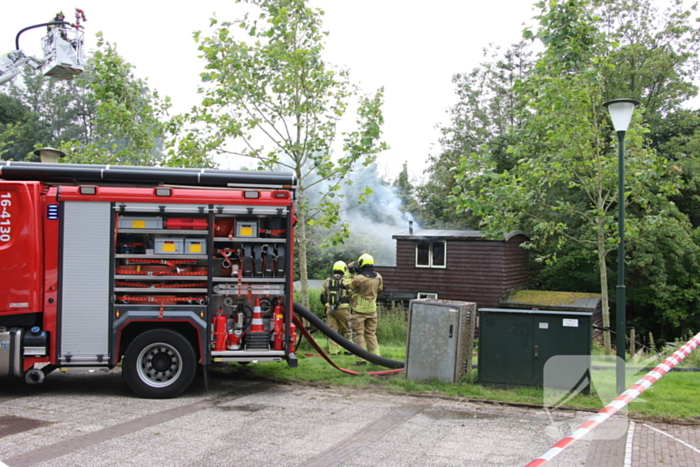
409	48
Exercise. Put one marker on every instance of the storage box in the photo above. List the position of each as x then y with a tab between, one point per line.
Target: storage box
140	222
170	245
195	246
186	223
246	229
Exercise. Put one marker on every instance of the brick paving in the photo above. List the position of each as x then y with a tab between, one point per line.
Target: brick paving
365	437
68	422
644	445
662	444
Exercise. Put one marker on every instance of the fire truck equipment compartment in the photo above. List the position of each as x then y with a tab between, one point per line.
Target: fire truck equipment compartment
170	245
85	291
92	279
186	223
195	246
247	229
138	222
223	227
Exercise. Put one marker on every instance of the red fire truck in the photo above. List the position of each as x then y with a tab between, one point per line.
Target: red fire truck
157	269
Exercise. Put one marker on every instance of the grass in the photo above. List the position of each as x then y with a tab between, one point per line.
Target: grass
673	398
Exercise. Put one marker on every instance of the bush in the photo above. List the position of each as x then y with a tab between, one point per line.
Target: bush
315	305
391	325
391	321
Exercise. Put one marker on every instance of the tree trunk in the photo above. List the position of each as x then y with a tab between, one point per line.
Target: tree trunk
301	242
605	303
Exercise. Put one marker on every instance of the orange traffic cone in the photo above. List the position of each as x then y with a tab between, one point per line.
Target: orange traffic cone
256	325
257	337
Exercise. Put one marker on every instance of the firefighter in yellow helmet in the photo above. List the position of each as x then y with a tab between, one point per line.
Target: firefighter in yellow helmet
62	27
335	295
366	286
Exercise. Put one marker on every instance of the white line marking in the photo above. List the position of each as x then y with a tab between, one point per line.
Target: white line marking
628	445
674	438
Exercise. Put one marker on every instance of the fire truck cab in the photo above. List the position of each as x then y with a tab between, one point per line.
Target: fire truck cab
157	269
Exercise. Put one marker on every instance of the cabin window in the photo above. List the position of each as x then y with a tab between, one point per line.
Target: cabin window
427	295
431	254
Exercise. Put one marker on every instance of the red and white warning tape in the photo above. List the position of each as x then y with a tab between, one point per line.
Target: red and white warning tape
622	400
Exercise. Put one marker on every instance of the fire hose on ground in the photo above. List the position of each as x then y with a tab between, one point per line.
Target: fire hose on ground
343	342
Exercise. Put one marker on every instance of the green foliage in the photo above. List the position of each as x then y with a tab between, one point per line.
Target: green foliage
46	112
315	305
391	325
106	115
482	121
267	87
663	283
406	190
673	398
654	52
127	126
557	177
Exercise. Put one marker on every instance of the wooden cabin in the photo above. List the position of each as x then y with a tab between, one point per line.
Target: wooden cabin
458	265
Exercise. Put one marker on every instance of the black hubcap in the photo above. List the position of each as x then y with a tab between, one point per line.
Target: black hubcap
161	361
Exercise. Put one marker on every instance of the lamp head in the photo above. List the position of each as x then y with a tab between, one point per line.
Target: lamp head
49	155
621	111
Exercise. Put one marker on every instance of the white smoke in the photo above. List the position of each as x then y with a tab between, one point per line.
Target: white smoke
374	221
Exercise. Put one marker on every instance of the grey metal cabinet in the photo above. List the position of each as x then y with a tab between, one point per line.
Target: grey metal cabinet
440	340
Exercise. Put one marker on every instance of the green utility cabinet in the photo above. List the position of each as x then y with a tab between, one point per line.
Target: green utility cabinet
514	346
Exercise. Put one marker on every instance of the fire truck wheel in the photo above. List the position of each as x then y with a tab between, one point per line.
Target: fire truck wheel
159	364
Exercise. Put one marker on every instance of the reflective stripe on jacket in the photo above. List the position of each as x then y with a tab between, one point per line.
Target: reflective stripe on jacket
365	292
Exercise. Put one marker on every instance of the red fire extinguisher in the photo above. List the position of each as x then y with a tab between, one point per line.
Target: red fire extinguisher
219	330
278	328
292	334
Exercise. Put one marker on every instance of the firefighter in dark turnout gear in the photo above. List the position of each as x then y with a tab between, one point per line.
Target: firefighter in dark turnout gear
62	27
366	286
335	295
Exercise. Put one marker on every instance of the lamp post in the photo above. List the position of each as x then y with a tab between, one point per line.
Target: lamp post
49	155
621	111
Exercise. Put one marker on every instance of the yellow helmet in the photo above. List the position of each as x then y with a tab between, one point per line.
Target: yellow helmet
60	13
340	266
365	260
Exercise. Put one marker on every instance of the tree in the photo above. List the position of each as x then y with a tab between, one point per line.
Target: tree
127	127
272	92
655	53
13	114
106	115
54	111
562	186
482	120
406	188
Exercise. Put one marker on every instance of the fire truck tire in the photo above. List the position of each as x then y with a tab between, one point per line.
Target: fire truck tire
159	364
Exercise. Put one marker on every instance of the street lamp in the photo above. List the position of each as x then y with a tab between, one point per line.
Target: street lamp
621	111
49	155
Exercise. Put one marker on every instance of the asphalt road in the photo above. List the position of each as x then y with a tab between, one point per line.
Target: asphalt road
92	420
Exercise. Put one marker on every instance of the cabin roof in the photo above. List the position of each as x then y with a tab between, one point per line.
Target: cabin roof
419	234
552	300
